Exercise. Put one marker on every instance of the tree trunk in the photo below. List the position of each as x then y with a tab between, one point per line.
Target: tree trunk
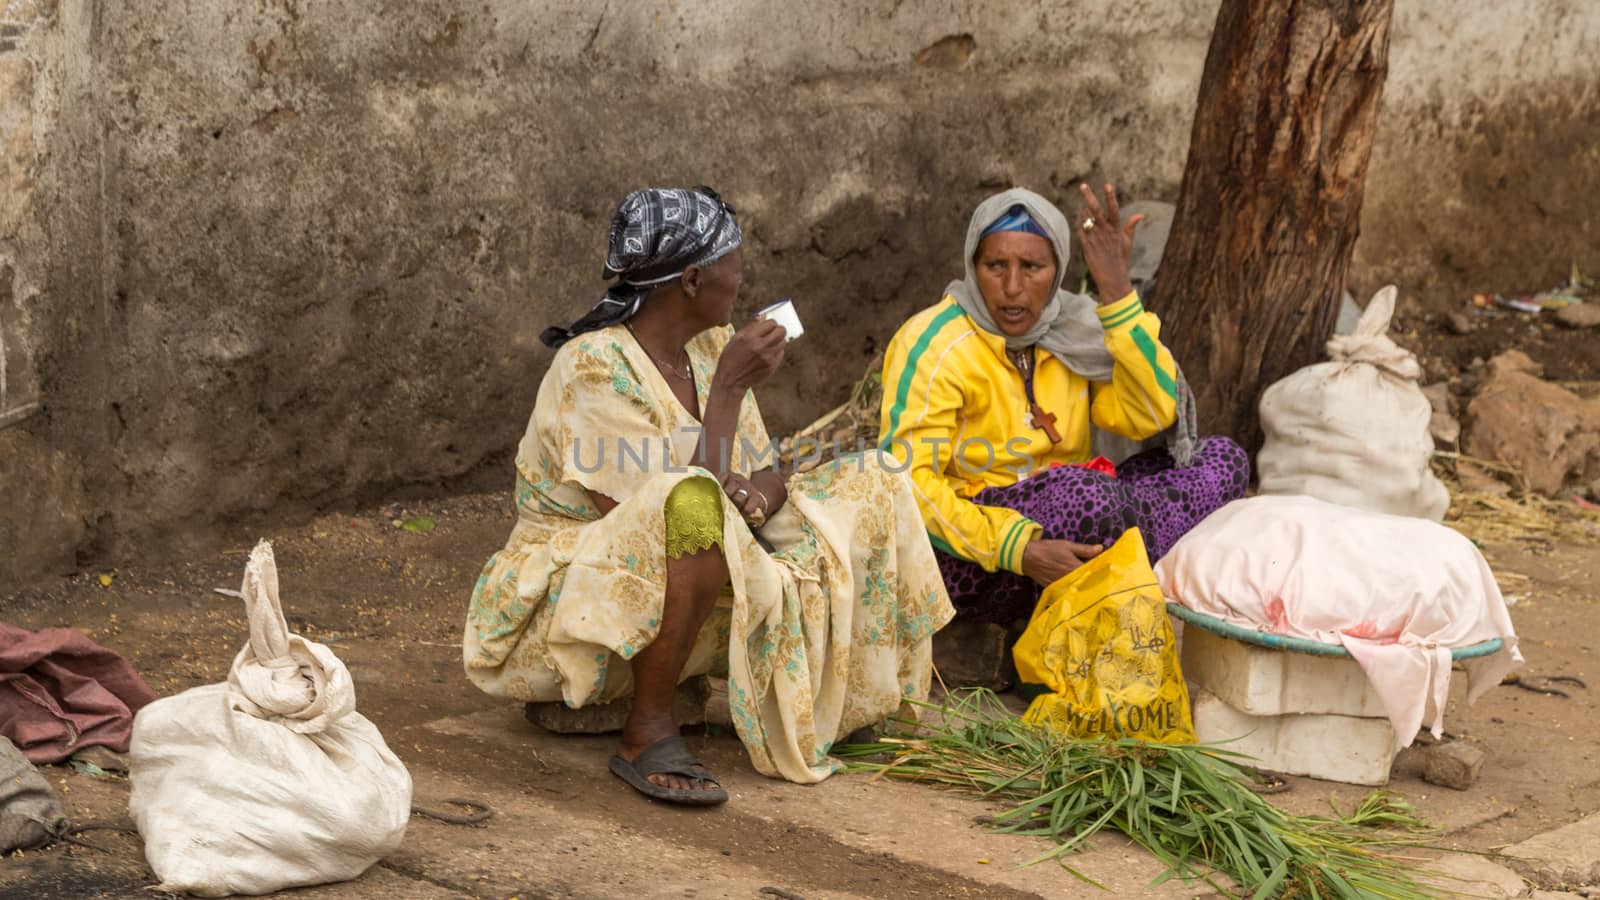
1267	218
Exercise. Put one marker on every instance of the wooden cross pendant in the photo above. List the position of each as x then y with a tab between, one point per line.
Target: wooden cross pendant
1046	421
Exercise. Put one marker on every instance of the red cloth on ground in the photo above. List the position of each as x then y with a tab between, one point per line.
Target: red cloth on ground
60	692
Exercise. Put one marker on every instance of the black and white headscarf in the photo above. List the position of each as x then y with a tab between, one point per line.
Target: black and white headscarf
656	234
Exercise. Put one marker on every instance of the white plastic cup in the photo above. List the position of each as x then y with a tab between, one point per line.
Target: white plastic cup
783	313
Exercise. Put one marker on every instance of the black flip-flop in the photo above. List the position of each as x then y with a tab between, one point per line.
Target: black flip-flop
669	756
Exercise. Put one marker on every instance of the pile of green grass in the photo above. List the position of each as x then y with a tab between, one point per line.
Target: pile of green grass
1189	805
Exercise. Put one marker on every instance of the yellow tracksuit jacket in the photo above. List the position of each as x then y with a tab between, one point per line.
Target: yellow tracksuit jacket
955	412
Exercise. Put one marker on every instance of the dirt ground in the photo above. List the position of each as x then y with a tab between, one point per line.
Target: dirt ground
391	603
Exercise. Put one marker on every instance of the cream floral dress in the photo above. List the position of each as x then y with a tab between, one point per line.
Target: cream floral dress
824	633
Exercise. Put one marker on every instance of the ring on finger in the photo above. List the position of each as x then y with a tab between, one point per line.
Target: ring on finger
741	492
1088	224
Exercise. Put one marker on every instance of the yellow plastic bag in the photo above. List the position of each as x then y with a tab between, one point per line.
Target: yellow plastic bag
1101	641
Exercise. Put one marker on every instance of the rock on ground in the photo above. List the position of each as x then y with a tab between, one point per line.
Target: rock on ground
1579	315
1549	433
1454	764
1443	425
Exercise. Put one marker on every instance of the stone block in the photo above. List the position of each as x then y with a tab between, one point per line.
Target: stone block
688	708
1263	682
975	654
1453	764
1350	749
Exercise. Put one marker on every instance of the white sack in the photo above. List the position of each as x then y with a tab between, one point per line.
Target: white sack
271	780
1354	431
1397	592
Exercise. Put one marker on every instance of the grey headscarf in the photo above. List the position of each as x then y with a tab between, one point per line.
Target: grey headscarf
1069	327
655	235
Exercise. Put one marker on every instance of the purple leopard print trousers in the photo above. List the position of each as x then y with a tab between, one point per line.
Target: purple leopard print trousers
1078	504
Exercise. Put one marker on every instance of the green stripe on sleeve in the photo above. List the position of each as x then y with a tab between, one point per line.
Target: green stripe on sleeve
1124	317
1004	556
1008	548
1152	355
909	371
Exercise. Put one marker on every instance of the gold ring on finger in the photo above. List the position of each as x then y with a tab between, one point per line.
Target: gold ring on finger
1088	224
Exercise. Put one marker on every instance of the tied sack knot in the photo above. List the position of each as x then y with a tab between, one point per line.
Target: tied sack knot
1371	344
282	677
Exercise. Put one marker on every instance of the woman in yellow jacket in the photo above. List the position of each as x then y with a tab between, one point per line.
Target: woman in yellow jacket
997	397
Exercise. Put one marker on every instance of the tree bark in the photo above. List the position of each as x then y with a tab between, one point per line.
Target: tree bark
1267	217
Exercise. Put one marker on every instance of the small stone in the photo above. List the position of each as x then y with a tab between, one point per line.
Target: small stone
1454	764
1515	361
1444	426
1439	397
1446	430
104	757
1458	323
1579	315
974	654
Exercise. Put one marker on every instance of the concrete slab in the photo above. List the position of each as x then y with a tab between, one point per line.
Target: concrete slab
1565	857
535	847
1475	876
914	826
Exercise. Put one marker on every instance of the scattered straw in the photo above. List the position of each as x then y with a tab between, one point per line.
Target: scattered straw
847	428
1517	514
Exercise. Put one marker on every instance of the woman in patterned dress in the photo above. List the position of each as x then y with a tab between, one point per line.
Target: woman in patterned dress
652	545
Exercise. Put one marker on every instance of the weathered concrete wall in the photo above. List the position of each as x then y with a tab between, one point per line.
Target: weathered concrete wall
274	255
47	199
1487	162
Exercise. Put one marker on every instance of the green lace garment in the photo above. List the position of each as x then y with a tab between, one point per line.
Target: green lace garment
694	517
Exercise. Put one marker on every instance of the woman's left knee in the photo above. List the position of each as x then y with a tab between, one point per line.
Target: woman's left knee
1222	447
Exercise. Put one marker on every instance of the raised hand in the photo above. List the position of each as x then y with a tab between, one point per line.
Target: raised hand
1107	242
